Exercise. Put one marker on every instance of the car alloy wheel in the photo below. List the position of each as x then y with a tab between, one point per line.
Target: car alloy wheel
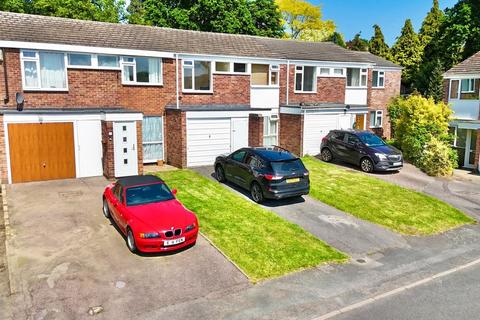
131	241
366	165
219	174
256	193
106	210
326	155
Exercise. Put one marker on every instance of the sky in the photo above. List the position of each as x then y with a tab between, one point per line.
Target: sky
352	16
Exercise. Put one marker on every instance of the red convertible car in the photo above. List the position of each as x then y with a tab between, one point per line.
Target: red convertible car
147	212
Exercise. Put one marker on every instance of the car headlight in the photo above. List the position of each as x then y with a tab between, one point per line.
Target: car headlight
381	156
149	235
190	227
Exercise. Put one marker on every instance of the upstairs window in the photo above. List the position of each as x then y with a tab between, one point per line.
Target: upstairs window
107	61
230	67
378	80
357	77
197	76
376	119
454	85
305	79
338	72
79	59
43	70
467	86
265	75
141	70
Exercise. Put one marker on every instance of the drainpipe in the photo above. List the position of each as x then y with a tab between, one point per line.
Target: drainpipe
6	98
176	81
288	80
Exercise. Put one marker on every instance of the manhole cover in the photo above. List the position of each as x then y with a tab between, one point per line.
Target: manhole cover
70	194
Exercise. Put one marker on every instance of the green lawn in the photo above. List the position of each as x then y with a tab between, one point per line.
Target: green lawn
380	202
261	243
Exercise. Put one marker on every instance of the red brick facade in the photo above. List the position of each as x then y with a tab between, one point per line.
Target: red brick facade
176	139
107	144
255	130
3	154
291	132
379	98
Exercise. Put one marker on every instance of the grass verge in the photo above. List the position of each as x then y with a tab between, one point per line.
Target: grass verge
400	209
261	243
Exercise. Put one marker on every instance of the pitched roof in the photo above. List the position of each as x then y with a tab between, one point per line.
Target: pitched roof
54	30
468	66
378	61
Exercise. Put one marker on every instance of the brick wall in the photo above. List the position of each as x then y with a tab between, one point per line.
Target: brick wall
176	139
255	130
94	88
291	132
329	89
379	98
3	154
107	145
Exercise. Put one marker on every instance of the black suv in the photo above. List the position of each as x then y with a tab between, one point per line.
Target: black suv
361	148
268	173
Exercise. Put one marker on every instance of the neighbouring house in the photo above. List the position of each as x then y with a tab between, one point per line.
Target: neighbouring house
462	92
101	98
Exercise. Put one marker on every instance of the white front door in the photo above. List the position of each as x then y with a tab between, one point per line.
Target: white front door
125	148
239	133
470	149
89	148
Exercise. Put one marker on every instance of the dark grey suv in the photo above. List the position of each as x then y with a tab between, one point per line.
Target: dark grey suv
271	173
361	148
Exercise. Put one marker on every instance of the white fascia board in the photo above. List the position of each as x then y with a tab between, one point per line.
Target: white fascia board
84	49
332	64
468	124
226	58
290	110
378	68
133	116
462	76
226	114
68	117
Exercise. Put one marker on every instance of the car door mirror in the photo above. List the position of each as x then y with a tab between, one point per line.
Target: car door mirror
174	192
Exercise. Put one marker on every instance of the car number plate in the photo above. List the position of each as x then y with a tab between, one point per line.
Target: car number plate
397	163
294	180
173	242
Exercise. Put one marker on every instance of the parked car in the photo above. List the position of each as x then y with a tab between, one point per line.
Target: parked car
268	173
147	212
361	148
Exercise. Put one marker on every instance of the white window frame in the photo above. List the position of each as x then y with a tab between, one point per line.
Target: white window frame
471	85
267	128
190	64
231	69
363	72
36	59
377	114
273	68
302	72
94	62
458	89
380	74
133	63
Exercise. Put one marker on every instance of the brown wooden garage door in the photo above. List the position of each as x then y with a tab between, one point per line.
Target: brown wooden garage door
41	151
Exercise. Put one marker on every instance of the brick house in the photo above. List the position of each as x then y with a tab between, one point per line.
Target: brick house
99	98
462	93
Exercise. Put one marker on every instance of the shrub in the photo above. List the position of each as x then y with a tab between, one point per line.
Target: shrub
421	132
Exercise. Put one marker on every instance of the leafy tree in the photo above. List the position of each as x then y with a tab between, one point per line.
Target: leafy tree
136	12
337	38
20	6
431	24
358	43
301	17
377	44
407	52
434	87
421	131
266	18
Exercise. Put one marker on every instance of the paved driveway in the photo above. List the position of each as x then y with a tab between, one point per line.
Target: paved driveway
343	231
67	257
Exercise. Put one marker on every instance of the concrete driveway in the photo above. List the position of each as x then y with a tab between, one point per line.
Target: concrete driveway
354	236
66	257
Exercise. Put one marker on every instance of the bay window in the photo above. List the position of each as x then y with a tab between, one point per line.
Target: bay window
197	76
43	70
305	79
265	75
356	77
141	70
378	80
376	119
270	131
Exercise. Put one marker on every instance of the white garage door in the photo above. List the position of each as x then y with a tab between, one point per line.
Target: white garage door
317	126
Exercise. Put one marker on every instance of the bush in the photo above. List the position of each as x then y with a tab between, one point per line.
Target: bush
421	132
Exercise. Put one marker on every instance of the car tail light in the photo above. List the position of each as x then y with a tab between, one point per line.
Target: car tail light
325	139
271	177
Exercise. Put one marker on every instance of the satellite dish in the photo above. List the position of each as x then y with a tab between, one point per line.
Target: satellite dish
19	98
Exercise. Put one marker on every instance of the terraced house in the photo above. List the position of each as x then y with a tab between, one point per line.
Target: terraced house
100	98
462	92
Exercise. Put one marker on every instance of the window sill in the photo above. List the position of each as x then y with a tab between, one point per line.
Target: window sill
198	91
304	92
140	84
358	88
45	90
378	87
264	87
93	68
376	127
